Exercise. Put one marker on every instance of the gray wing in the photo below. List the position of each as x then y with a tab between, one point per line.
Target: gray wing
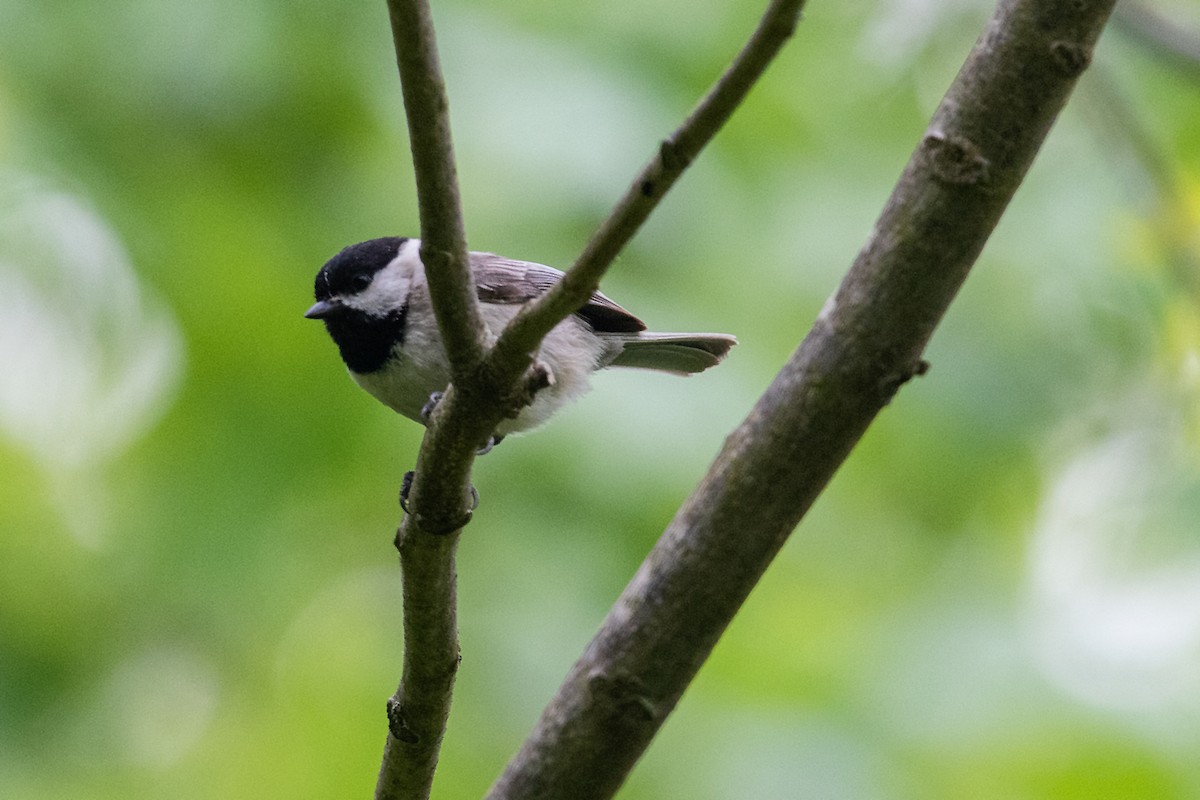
501	280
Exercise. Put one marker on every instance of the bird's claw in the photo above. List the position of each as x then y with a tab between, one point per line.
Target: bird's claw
492	441
405	487
406	484
430	405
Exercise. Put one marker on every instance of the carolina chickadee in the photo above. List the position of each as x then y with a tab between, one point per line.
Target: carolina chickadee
375	304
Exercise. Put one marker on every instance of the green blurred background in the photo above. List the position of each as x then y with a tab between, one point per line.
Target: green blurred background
998	597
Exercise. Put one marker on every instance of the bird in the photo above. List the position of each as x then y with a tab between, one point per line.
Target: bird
374	300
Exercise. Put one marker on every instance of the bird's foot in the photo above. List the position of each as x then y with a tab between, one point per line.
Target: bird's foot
406	484
430	405
492	441
405	487
538	377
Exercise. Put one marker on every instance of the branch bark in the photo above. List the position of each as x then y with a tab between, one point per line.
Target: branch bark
865	344
443	240
675	153
484	388
419	709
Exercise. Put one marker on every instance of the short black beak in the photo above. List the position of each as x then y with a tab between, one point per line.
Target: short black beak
323	309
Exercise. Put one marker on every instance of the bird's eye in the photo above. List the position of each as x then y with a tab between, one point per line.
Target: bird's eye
359	283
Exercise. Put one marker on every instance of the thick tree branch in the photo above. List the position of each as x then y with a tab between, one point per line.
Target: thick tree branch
865	344
512	352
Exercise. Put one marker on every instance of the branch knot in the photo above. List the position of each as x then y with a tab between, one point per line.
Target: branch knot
954	159
397	725
1071	58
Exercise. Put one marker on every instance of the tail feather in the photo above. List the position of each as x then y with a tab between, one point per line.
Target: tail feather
681	353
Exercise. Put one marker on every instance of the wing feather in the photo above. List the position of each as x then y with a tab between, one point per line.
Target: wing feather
505	281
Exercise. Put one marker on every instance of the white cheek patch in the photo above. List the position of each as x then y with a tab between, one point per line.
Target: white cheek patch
392	284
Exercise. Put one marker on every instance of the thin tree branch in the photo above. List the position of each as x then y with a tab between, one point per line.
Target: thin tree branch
512	352
443	241
482	392
865	344
418	711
